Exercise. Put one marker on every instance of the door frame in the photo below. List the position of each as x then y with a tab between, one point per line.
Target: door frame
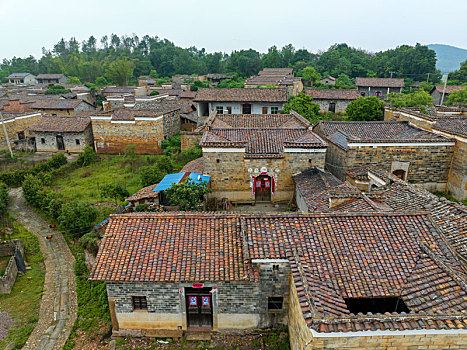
263	178
199	293
62	142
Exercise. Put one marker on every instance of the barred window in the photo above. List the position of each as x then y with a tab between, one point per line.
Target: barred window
139	303
275	303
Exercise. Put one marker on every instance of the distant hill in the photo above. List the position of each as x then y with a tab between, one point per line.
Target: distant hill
449	57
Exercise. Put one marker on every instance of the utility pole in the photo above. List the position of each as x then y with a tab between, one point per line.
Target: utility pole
428	78
6	135
391	74
444	90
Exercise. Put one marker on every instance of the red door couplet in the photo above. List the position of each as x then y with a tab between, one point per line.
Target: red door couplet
263	184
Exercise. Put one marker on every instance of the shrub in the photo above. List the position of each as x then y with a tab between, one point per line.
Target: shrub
142	207
3	197
116	192
32	186
90	241
187	195
86	157
365	109
154	93
77	217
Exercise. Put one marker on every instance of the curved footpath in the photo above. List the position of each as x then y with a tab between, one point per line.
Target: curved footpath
59	303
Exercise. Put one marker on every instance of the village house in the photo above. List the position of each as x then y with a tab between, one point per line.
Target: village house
411	153
17	127
54	134
240	101
293	85
61	107
251	158
145	129
22	78
333	100
437	92
448	122
120	91
405	288
379	87
145	80
215	78
278	72
51	79
146	195
328	80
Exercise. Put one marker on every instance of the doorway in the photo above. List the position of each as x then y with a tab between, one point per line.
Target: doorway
246	108
60	143
399	173
263	185
198	307
332	107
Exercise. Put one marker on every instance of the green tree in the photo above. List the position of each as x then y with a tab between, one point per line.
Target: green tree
198	84
343	81
458	96
86	157
310	74
3	197
32	186
365	109
120	71
154	74
416	98
460	75
303	105
154	93
77	217
116	192
74	80
56	90
187	195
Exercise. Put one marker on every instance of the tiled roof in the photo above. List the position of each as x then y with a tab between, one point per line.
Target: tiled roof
271	80
341	133
164	106
332	257
170	92
455	126
188	94
56	104
449	88
276	71
119	89
61	124
125	114
50	76
241	95
380	82
172	247
195	166
333	94
145	192
263	136
18	75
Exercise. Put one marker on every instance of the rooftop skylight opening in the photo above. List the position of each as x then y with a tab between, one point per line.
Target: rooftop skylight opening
376	305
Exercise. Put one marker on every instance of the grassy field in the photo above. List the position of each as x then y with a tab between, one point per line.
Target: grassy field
23	303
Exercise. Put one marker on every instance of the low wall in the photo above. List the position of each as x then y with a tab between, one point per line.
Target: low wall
8	279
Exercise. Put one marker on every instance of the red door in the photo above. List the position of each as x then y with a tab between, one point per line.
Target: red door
263	188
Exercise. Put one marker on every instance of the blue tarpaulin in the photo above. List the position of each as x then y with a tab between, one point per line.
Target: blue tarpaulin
171	179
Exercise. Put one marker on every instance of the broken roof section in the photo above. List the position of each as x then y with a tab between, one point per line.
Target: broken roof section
171	179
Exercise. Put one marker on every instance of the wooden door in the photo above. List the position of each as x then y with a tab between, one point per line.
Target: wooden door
332	107
199	307
60	143
246	108
263	188
265	110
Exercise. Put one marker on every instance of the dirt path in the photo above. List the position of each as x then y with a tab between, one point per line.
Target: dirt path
59	304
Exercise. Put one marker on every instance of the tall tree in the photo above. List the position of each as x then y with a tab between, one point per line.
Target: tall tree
120	71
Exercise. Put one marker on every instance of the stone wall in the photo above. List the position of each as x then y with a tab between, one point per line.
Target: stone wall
336	161
146	135
396	115
457	185
299	333
14	126
190	139
231	173
341	105
69	139
8	248
236	305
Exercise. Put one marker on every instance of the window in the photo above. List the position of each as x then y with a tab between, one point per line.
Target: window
218	160
275	267
265	110
139	303
246	108
77	141
42	140
229	110
376	305
275	303
21	135
378	93
274	110
332	107
220	110
362	94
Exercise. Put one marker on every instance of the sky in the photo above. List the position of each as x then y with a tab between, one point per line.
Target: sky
26	26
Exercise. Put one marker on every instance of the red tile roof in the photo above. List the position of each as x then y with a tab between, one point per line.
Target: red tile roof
262	136
241	95
61	124
380	82
333	94
449	88
144	193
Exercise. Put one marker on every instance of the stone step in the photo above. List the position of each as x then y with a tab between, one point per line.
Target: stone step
194	336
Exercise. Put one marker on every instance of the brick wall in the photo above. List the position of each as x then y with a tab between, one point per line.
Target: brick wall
16	125
235	304
190	139
341	105
69	139
230	176
145	135
8	248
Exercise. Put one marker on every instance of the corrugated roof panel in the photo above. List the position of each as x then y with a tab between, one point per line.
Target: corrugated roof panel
168	180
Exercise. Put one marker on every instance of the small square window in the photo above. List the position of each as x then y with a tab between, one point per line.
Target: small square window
275	267
274	110
218	160
139	303
77	141
220	109
42	140
275	303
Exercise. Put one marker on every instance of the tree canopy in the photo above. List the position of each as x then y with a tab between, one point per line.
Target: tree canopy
120	60
365	109
417	98
458	96
303	105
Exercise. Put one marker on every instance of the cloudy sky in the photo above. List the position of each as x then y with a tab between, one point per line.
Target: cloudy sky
28	25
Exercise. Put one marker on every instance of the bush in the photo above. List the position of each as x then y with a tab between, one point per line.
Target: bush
90	241
116	192
3	197
154	93
142	207
365	109
77	217
32	187
187	195
86	157
151	175
189	154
